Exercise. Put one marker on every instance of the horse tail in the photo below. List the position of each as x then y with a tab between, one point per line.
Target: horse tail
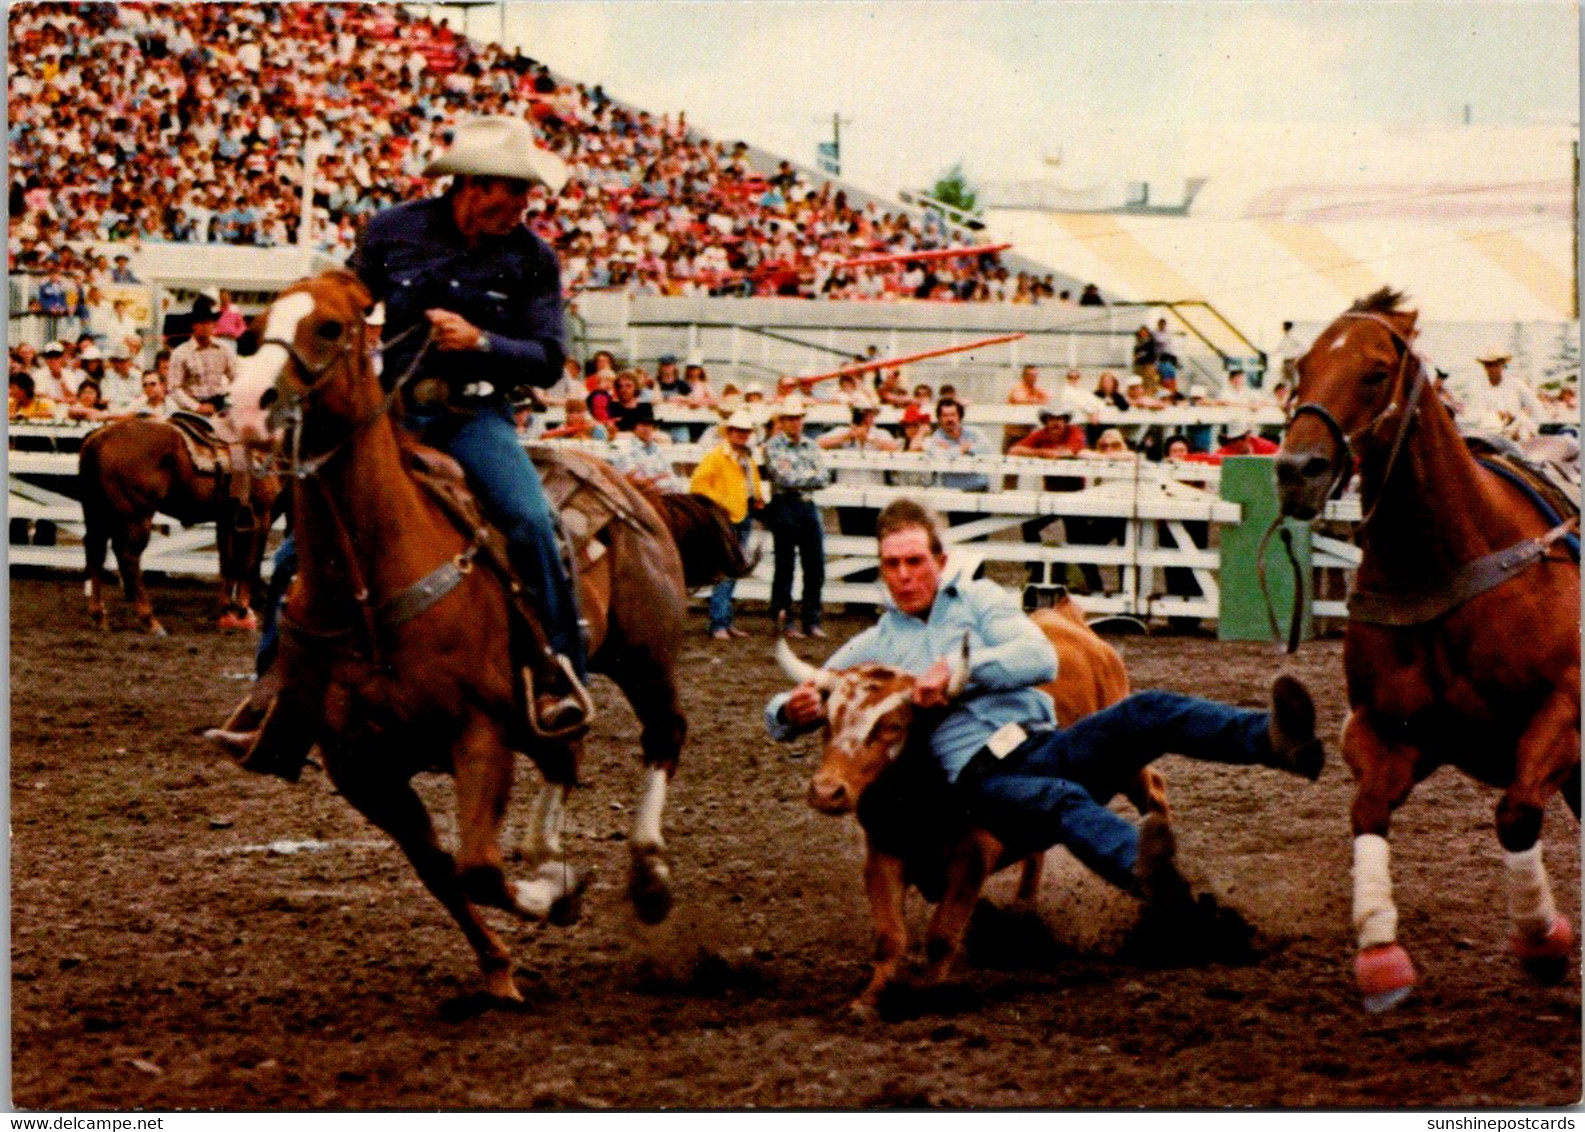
705	538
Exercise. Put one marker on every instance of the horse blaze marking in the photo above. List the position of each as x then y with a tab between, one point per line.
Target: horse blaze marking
257	374
1341	339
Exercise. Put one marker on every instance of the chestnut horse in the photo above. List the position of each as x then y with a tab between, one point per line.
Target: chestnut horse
1462	645
396	644
131	469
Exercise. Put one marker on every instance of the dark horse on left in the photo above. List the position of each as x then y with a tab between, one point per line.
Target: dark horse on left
131	469
396	632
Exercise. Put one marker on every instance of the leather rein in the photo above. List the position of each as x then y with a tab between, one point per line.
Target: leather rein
1403	610
397	610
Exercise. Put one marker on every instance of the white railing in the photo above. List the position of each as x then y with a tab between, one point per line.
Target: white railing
1149	501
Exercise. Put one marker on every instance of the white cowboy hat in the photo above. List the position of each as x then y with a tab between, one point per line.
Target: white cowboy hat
499	146
740	419
792	406
1493	356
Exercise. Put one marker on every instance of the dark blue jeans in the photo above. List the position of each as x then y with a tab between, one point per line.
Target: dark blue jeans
796	531
1054	788
282	571
486	444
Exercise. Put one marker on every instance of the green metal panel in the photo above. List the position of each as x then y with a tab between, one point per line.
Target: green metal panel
1249	482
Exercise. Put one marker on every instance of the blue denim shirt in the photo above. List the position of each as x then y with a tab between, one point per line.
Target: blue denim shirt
971	443
1008	655
413	258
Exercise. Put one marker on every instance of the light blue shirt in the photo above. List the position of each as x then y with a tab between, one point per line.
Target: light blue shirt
972	442
1008	655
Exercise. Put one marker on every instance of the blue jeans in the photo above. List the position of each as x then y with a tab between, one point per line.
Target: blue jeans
796	531
507	484
283	570
1054	788
721	596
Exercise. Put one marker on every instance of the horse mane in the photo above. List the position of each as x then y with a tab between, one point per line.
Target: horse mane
704	536
1383	301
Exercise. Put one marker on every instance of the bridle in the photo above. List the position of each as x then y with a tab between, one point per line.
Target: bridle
1343	445
291	409
1344	442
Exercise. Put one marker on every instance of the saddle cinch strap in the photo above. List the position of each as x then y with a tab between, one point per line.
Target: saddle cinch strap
1469	581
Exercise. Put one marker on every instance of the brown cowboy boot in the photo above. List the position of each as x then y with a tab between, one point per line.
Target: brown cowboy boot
1295	747
263	733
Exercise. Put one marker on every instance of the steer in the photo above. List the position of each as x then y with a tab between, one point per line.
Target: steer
914	834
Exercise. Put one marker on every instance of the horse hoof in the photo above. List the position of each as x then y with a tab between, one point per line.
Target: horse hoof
649	887
155	629
1546	960
862	1010
500	986
1385	976
232	623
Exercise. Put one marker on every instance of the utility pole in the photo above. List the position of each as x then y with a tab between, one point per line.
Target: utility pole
829	154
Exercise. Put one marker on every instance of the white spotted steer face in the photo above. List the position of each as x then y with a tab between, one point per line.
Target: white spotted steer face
869	711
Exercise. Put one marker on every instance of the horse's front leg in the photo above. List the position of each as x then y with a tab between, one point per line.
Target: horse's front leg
1384	774
379	793
236	615
1548	757
129	546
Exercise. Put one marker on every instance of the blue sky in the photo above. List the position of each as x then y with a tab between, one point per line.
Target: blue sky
1003	86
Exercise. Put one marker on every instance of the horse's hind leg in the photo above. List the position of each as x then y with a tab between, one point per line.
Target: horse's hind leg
1548	757
390	802
483	769
129	545
553	893
95	543
653	694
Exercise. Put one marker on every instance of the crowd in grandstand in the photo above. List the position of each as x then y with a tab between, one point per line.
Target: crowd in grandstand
190	123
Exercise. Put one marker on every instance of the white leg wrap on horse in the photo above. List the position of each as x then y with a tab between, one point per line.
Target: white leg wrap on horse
1530	904
551	882
1375	918
544	823
651	804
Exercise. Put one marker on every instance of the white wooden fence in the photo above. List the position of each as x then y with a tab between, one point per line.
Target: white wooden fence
1148	499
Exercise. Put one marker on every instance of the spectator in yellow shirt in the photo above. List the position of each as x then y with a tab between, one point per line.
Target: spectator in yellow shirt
729	475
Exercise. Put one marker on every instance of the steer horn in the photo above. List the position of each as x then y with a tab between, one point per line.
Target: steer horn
801	671
960	671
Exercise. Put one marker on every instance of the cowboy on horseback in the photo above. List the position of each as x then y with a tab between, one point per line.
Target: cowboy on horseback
473	310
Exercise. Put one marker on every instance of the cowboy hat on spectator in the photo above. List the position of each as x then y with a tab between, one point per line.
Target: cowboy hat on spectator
741	419
53	348
1494	356
499	146
1057	413
792	406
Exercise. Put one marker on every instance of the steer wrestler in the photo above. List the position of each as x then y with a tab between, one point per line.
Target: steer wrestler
1018	774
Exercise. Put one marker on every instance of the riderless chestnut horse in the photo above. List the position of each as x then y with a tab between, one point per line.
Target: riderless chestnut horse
1462	646
131	469
396	630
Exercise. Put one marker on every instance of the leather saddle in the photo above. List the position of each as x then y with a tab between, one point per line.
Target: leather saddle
1547	465
214	452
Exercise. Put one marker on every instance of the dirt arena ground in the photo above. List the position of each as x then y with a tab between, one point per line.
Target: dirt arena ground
165	956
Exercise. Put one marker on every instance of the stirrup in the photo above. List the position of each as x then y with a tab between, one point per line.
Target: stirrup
579	694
